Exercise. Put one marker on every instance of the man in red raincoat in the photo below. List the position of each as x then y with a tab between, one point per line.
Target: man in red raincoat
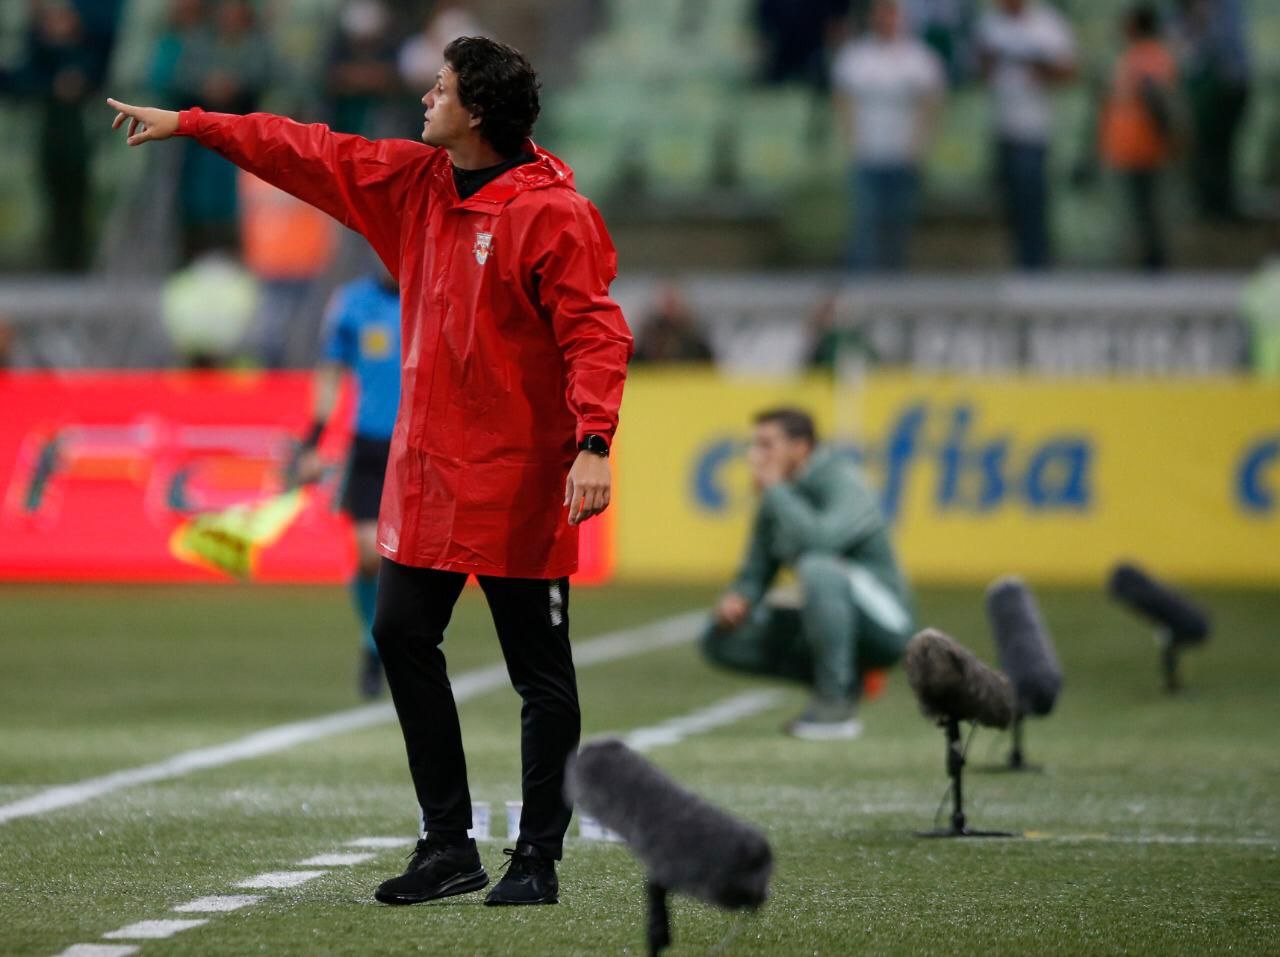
513	359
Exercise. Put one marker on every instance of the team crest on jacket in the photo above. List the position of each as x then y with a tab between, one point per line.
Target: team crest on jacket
484	243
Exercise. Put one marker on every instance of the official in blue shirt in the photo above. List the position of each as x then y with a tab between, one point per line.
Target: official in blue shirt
362	335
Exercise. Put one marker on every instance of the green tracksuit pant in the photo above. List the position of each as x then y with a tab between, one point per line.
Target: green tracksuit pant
847	622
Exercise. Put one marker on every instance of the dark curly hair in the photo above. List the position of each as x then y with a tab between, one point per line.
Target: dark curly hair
497	84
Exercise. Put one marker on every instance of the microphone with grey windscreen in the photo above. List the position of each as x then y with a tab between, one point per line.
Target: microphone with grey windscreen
952	685
686	844
1025	651
1180	622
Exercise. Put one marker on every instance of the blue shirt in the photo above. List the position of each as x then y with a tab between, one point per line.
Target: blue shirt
1227	40
362	332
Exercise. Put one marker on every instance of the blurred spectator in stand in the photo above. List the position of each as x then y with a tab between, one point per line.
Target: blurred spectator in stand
798	37
225	69
207	309
795	35
671	334
64	68
102	20
888	89
287	244
1137	135
1025	48
835	346
185	20
229	64
1216	70
946	27
422	55
361	76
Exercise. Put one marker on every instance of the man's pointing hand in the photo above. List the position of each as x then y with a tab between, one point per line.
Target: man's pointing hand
145	123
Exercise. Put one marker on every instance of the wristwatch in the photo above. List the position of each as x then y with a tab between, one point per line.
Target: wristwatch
595	444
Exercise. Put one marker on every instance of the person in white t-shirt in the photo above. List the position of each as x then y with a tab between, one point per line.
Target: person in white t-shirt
1026	49
888	87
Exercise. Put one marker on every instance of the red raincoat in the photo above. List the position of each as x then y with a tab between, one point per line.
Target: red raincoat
512	349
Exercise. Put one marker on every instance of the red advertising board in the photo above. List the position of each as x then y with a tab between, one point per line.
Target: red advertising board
98	469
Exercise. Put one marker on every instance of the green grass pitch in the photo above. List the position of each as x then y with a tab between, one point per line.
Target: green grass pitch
1160	817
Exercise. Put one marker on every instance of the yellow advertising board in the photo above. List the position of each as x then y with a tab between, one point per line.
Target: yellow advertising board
1052	479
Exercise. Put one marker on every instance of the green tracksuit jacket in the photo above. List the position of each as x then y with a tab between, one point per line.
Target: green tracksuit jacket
828	509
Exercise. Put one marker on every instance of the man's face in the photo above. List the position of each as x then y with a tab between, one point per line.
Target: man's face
447	121
885	19
774	456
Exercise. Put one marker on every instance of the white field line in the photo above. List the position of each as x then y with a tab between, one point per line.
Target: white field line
381	843
609	647
671	731
153	929
99	950
378	843
715	716
1194	839
218	904
279	879
336	860
1176	839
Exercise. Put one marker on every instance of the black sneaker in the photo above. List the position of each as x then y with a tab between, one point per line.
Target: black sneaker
530	879
435	870
369	678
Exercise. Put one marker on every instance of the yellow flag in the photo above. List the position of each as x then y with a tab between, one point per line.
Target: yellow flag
231	540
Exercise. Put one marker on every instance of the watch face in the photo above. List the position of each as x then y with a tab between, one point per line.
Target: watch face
596	444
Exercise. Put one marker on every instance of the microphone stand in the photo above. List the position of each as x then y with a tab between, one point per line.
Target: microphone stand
1170	650
659	931
955	770
1017	756
1017	759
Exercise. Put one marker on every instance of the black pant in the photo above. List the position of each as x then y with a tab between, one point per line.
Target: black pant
64	166
1144	198
532	619
1025	188
1218	110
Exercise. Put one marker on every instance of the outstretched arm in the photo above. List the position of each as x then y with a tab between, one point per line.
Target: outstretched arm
361	183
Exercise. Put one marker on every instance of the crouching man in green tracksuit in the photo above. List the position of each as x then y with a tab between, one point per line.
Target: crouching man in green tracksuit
818	518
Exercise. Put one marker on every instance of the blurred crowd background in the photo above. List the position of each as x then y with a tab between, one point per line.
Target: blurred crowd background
834	146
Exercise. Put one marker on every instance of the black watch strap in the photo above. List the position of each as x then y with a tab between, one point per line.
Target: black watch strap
596	444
